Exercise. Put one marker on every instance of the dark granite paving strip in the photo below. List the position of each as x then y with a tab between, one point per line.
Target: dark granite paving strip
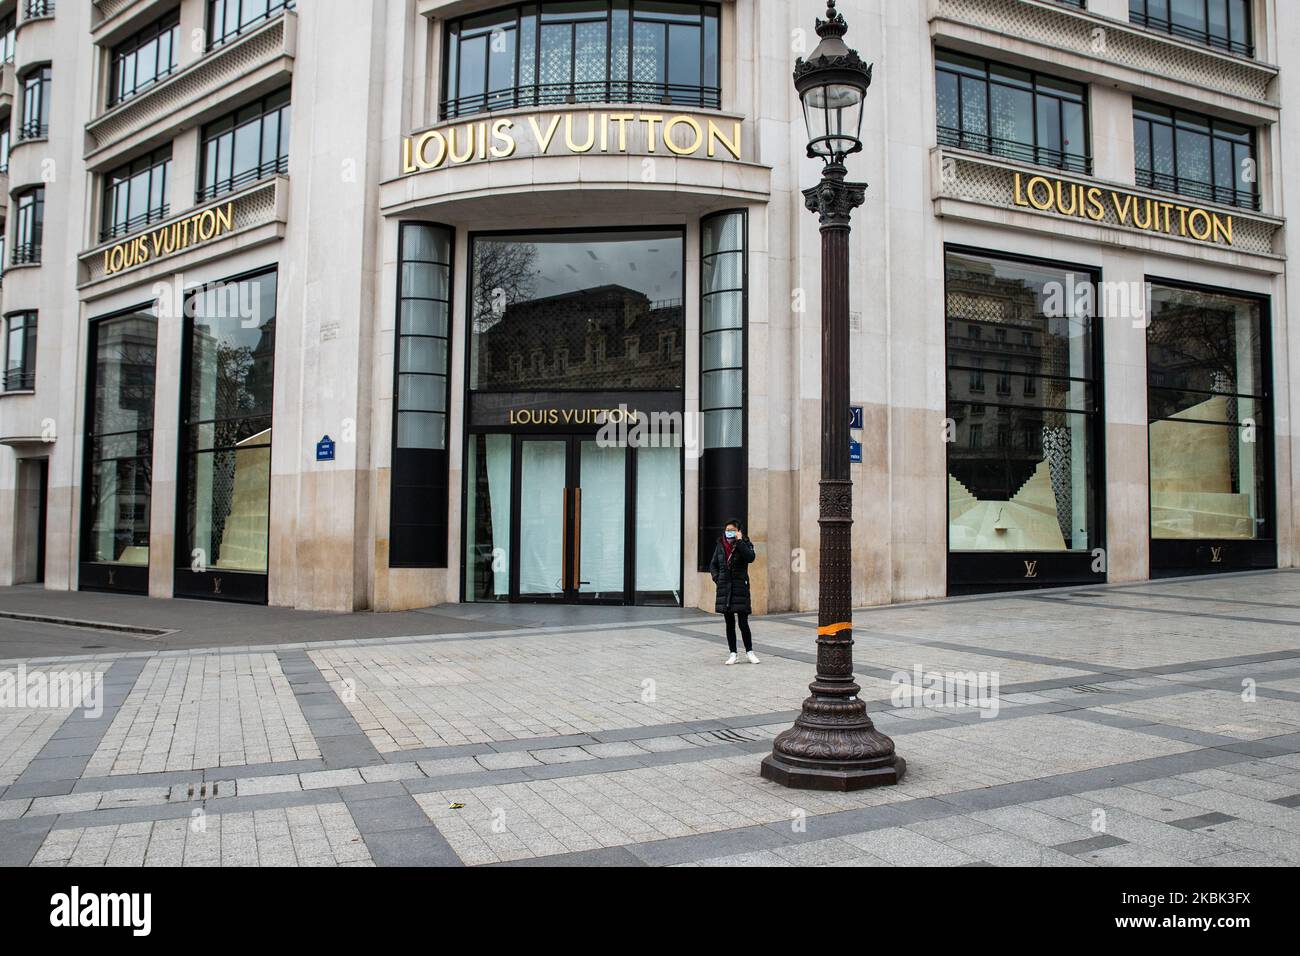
1202	820
1292	801
396	831
59	764
340	738
1090	845
720	639
1238	618
1207	599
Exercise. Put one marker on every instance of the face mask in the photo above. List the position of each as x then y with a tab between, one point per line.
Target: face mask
731	534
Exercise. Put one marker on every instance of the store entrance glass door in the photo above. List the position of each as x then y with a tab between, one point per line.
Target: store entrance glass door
571	521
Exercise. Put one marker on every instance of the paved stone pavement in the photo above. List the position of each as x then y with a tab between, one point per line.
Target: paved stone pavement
1153	724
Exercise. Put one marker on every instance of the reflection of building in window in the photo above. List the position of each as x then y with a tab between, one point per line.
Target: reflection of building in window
646	350
1206	387
1025	485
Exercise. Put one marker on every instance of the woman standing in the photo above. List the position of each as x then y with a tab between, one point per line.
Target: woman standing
730	571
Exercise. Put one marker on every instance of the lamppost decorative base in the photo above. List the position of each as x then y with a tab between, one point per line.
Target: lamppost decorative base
812	775
821	752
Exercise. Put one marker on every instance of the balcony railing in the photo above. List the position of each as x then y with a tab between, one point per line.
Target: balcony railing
1204	37
224	34
230	184
1207	192
26	254
598	91
38	8
1010	149
118	230
20	380
33	129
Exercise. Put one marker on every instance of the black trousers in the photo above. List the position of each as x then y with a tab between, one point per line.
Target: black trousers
730	618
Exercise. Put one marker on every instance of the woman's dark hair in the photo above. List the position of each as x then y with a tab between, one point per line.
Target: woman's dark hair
733	523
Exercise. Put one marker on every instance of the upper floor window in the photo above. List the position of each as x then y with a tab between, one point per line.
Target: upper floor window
227	19
144	59
8	25
1224	24
39	8
137	194
1181	152
36	104
606	51
4	145
20	352
250	144
30	226
1006	111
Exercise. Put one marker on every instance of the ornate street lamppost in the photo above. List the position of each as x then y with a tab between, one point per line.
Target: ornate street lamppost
833	745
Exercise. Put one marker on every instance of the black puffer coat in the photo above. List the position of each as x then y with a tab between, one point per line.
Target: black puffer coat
732	577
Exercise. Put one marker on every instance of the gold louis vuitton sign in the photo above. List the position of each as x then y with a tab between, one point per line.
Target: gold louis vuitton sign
170	239
1095	204
573	133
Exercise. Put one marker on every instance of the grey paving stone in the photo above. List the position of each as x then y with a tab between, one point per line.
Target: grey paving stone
396	771
331	778
560	755
615	749
387	813
422	846
506	761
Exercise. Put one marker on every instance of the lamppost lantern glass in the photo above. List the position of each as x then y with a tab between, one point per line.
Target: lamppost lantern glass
832	85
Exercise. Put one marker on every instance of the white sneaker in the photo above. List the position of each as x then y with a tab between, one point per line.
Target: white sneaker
753	658
731	660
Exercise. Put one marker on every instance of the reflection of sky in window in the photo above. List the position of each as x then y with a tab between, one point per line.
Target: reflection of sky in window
650	264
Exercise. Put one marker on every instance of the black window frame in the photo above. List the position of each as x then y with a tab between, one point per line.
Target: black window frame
39	127
29	228
236	586
610	90
976	571
23	377
279	103
1176	557
112	576
1140	14
166	26
986	142
1152	113
8	31
155	164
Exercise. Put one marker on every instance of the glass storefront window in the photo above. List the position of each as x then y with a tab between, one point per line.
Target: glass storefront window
1022	401
119	444
1209	410
577	311
230	370
487	518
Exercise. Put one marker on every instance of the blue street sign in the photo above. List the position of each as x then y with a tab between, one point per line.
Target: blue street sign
325	449
855	417
855	452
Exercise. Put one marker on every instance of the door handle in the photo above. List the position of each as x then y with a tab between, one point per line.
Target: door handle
577	535
564	542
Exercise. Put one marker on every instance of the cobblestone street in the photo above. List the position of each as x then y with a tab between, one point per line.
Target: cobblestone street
1149	724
